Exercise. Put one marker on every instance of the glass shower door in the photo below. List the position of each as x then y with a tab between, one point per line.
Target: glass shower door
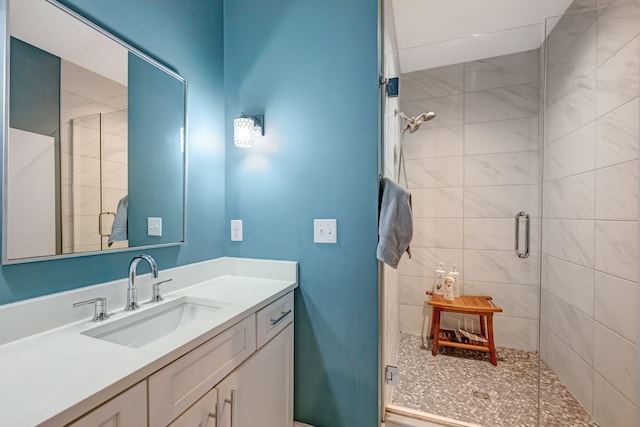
94	176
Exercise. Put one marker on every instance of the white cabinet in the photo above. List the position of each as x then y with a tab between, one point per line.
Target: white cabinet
201	414
128	409
180	384
260	391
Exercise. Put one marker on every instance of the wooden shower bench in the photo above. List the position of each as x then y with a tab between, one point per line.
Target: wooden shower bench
481	306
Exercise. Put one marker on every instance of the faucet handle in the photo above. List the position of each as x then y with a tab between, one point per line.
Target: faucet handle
100	312
156	297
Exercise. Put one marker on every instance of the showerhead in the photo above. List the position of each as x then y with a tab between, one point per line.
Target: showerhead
413	123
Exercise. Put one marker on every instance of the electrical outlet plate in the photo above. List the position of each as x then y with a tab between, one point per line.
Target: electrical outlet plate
154	226
236	230
325	231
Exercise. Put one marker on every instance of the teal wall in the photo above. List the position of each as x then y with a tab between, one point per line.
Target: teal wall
188	39
155	117
311	67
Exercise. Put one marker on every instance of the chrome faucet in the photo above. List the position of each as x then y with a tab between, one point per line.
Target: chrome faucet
132	292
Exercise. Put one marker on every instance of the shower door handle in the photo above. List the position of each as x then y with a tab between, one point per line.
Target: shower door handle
100	222
527	234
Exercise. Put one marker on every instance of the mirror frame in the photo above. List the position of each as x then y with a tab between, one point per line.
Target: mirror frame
4	74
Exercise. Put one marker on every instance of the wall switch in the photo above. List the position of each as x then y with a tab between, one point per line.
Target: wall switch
325	231
236	230
154	226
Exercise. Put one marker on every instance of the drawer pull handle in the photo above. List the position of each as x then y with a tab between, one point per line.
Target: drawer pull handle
283	314
231	403
214	415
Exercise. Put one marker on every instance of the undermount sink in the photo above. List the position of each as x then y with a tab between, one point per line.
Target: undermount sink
149	325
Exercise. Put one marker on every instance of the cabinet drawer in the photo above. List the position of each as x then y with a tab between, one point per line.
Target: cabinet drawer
274	318
179	385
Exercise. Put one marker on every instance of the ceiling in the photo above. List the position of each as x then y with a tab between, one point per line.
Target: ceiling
434	33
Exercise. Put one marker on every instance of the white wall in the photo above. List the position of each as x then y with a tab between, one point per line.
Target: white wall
31	189
590	239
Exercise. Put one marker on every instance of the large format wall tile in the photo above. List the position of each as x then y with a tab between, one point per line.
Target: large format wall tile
617	80
496	234
427	143
501	201
434	173
566	33
432	83
570	198
570	325
578	63
501	169
617	248
437	203
448	109
508	70
570	282
501	104
504	136
572	370
569	239
424	261
500	267
515	300
610	407
617	26
413	290
616	304
437	233
572	111
617	192
617	135
615	360
515	332
563	161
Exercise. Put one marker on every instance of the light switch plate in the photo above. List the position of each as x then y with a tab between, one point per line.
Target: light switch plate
325	231
236	230
154	226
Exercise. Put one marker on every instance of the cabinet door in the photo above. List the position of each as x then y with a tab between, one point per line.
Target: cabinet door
128	409
203	413
260	391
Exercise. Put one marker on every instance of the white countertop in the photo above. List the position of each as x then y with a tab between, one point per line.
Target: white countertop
55	376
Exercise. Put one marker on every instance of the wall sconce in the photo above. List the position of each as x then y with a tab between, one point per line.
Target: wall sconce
245	128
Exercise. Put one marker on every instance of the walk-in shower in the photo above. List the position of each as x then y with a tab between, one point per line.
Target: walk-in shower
542	119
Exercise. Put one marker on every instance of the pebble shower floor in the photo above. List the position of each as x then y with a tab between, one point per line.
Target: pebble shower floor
444	385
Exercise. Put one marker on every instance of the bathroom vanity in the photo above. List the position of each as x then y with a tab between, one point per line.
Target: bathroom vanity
217	351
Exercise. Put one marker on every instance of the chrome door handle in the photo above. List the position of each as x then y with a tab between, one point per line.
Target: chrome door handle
100	223
214	415
231	402
527	236
283	314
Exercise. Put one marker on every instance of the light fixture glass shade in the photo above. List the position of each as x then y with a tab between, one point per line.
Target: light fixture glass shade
243	131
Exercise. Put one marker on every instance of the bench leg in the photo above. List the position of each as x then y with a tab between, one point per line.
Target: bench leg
435	330
483	330
492	346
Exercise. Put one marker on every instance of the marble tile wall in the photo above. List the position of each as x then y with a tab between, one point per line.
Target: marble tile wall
470	171
89	179
589	252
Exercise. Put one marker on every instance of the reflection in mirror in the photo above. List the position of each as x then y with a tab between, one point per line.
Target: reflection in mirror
96	140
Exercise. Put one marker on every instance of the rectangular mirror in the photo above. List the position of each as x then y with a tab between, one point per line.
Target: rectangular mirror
94	140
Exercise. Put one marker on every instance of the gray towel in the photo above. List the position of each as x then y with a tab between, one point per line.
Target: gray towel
119	226
396	224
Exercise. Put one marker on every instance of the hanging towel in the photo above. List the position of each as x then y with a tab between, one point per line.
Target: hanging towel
395	229
119	226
